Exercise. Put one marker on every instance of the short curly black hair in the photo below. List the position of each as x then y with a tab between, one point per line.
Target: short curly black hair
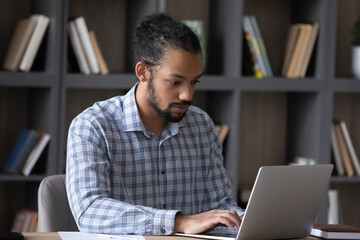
156	32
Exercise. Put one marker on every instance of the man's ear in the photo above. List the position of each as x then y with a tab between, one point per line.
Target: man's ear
142	71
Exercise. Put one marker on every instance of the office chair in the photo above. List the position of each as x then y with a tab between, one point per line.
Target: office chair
53	206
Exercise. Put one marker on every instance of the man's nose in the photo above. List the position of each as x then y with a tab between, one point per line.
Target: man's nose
186	93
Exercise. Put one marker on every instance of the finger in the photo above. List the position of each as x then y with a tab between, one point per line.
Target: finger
233	217
224	221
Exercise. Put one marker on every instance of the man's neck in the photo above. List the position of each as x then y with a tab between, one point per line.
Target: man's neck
150	118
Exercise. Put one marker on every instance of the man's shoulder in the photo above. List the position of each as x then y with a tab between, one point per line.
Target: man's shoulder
106	109
197	114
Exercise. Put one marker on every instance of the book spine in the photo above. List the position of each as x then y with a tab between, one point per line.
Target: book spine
335	148
333	210
18	44
15	151
78	49
35	41
102	64
256	66
35	154
344	151
299	51
85	40
350	147
26	150
292	37
309	49
254	46
262	48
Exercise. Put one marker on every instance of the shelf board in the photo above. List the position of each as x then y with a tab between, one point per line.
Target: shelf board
217	83
281	84
208	83
344	179
127	80
32	79
120	81
346	85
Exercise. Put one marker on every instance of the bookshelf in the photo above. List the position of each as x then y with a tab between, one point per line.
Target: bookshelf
28	100
272	120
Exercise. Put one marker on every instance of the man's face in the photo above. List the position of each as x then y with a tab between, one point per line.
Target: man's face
172	84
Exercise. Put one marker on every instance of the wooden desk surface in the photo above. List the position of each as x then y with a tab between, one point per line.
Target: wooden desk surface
56	236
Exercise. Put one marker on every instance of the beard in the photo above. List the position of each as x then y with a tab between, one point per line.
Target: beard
164	113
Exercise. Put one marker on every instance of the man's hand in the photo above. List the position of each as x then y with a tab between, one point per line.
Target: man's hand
205	221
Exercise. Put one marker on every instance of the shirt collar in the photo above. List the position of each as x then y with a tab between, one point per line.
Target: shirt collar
131	120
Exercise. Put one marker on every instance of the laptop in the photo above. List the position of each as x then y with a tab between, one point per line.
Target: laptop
283	203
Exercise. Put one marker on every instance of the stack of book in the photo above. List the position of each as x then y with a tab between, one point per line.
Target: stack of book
25	43
335	231
26	152
299	47
259	58
86	48
345	157
26	220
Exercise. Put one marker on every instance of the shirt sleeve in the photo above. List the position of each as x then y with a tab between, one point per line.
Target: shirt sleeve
89	189
219	188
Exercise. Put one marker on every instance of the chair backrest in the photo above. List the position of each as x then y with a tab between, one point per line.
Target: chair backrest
53	206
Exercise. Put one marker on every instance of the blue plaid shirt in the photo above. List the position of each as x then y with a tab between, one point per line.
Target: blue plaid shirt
123	179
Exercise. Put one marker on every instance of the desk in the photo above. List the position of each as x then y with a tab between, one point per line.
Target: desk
56	236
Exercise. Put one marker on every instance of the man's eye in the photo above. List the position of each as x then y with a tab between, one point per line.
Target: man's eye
174	82
195	82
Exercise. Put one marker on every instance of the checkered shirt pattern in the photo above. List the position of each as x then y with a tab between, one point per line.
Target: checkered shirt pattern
123	179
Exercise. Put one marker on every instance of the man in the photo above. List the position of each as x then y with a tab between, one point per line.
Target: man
149	163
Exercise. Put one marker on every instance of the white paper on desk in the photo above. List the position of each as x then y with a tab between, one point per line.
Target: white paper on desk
93	236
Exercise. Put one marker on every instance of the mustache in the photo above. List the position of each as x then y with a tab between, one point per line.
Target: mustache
181	104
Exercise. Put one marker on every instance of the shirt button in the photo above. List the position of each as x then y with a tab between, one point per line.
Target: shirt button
163	172
163	230
164	205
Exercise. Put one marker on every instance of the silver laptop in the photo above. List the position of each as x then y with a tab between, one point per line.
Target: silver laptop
283	203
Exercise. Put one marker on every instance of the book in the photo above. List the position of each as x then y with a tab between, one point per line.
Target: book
33	222
260	70
262	47
292	37
35	153
350	147
102	64
344	153
249	53
42	23
309	49
25	221
333	210
335	231
86	43
223	130
19	221
197	26
21	151
18	43
336	152
78	48
299	51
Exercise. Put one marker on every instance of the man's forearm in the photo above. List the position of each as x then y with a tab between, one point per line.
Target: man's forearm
115	217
